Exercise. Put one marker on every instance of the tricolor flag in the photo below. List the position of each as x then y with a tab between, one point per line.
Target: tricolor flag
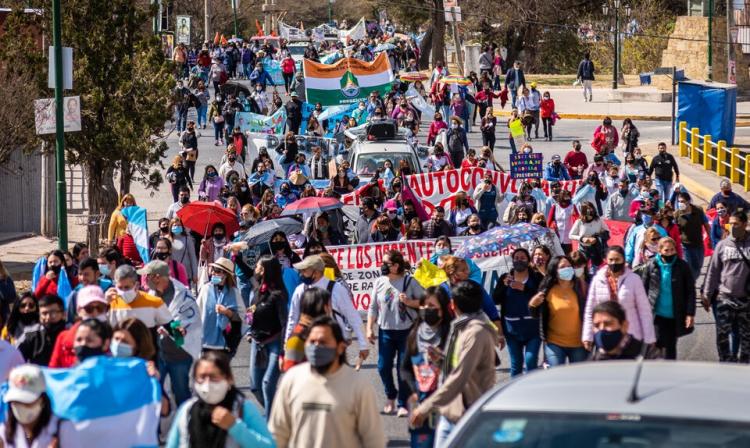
138	229
347	81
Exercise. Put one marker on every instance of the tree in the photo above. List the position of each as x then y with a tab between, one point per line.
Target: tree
426	14
125	85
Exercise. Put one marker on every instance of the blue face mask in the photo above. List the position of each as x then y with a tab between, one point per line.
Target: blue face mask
216	279
177	230
121	349
566	273
647	220
306	280
608	340
212	174
104	269
442	251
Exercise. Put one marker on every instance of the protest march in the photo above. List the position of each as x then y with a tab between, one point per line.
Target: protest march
351	247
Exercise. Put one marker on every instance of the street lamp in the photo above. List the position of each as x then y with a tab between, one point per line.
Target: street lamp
615	7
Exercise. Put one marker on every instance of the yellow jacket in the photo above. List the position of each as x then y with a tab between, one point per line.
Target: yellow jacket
118	225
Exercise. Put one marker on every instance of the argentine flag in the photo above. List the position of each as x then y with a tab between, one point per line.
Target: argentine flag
111	401
138	228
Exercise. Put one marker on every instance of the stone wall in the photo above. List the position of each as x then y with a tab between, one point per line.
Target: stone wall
692	55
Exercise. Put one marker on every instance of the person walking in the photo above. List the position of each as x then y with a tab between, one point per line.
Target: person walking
586	76
692	221
217	301
514	79
488	125
456	141
547	111
395	299
178	176
576	161
324	403
670	287
664	169
611	338
513	292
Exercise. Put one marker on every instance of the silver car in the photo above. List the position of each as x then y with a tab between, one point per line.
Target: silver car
608	404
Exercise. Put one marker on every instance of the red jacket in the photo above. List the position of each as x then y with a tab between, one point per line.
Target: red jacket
435	128
127	247
204	60
547	107
574	159
63	354
45	287
287	66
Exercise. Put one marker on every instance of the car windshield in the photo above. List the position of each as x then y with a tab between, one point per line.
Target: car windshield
297	50
368	164
506	430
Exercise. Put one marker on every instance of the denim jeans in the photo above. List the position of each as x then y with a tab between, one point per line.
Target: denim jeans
446	110
219	131
202	115
523	353
179	378
694	258
245	288
557	355
392	344
664	187
181	114
443	431
247	70
264	371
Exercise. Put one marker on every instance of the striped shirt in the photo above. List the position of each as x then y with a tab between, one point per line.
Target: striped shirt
150	310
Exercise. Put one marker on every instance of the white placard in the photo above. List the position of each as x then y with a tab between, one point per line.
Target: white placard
44	115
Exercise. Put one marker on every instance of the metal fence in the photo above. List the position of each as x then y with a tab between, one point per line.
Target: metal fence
715	156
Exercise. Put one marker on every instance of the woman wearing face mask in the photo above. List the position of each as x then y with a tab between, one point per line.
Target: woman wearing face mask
30	422
461	212
92	339
670	287
589	230
164	231
184	249
617	282
435	127
439	158
24	317
325	233
384	231
219	415
413	230
56	279
443	248
720	223
474	226
487	199
280	248
648	249
395	298
241	190
560	304
217	301
513	292
212	249
421	367
211	185
540	257
266	316
629	169
163	252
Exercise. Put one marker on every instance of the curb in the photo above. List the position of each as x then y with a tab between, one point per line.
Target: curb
502	113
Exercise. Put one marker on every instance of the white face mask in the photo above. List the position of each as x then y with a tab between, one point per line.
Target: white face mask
26	414
527	150
127	295
579	272
212	392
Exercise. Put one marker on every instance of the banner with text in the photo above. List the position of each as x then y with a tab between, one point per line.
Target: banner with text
250	122
527	166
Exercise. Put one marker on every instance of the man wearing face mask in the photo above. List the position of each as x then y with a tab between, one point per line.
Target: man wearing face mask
611	339
324	403
88	274
126	300
457	142
576	161
727	284
183	198
619	202
732	201
91	305
311	275
232	165
37	346
555	171
365	221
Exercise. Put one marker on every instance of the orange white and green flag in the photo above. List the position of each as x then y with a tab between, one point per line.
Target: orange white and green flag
347	81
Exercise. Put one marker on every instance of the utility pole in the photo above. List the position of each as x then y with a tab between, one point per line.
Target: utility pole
207	20
330	11
615	77
730	48
234	11
710	39
457	41
62	212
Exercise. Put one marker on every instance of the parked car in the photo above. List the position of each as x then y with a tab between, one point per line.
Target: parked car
378	141
611	404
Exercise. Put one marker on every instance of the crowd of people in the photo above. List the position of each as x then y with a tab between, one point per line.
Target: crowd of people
185	312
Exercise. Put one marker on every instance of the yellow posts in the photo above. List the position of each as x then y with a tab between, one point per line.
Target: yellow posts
683	139
694	145
734	161
721	148
707	152
747	172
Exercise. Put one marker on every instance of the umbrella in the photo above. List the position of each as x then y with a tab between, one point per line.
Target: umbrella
261	232
455	79
413	76
201	217
500	237
236	39
234	88
311	204
384	47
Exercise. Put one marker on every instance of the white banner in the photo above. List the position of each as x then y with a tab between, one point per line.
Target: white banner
291	33
182	30
359	31
45	119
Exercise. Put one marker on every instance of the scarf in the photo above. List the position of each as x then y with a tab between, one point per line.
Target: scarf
203	433
213	322
427	337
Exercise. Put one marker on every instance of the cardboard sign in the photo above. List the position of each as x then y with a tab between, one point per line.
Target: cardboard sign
527	166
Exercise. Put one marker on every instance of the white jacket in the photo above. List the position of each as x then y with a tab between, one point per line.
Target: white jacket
184	308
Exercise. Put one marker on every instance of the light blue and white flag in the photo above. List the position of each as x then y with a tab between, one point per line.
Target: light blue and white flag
138	229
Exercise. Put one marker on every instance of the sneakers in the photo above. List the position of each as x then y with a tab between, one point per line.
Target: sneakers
389	407
402	412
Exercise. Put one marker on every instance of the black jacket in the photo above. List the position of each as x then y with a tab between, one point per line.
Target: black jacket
586	70
662	165
632	349
37	346
683	290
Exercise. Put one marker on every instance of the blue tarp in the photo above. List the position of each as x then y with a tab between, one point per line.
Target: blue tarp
710	107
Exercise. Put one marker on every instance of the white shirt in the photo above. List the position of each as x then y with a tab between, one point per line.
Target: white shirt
227	167
341	302
173	209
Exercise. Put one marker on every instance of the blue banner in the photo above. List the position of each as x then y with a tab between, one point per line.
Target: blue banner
273	68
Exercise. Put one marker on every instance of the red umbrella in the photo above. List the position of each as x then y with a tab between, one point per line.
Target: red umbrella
311	204
201	217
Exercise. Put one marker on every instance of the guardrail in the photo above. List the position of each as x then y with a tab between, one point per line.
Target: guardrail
714	156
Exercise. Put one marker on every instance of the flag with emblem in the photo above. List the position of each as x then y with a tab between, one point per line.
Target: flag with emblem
346	81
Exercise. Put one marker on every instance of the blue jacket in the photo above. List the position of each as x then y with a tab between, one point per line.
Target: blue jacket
553	173
261	77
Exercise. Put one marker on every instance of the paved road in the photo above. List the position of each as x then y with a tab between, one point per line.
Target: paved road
698	346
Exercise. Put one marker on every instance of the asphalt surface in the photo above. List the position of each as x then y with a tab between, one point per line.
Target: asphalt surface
698	346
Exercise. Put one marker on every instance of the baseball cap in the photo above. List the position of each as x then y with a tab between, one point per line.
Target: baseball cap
25	384
154	267
294	94
311	262
90	294
556	157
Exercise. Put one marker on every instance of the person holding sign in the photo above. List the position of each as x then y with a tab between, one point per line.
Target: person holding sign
515	125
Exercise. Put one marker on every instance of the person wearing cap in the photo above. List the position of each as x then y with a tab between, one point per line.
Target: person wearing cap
91	304
30	422
217	302
456	141
127	300
175	358
311	275
731	200
555	171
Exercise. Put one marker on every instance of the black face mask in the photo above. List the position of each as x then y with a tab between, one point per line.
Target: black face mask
385	269
475	227
55	328
29	318
616	267
184	200
161	255
84	352
669	258
164	229
430	316
520	265
218	237
277	246
56	269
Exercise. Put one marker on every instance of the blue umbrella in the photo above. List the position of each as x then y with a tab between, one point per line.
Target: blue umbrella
500	237
384	47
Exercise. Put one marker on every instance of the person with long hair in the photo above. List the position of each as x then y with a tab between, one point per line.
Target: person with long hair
282	250
211	185
217	301
31	422
178	176
23	319
266	317
219	415
420	369
540	258
54	270
560	304
393	308
8	293
184	249
118	225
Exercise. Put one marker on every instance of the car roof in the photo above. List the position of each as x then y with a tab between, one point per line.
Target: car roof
668	389
390	146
